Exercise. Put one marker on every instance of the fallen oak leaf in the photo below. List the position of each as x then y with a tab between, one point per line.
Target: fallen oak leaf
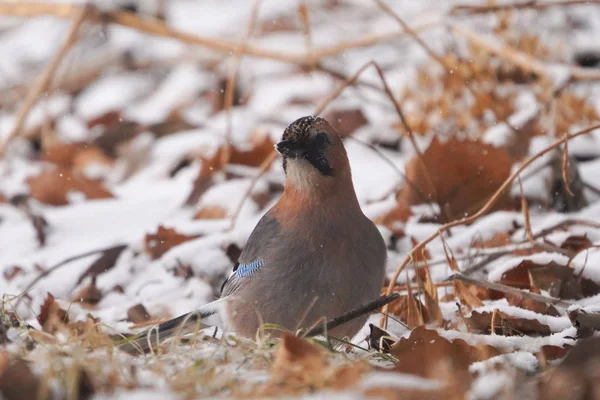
576	243
157	244
504	324
138	314
261	146
51	316
425	353
346	121
204	180
89	295
19	382
53	186
464	174
467	294
211	212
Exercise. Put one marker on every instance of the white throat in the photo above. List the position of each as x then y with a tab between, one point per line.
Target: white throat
302	175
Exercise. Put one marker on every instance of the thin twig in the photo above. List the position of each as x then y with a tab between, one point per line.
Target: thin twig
44	79
510	290
64	262
463	9
231	81
483	209
494	256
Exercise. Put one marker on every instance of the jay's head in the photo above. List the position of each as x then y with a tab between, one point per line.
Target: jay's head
313	153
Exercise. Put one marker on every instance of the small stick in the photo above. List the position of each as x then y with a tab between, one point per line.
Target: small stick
357	312
231	81
43	80
63	263
510	290
462	9
483	209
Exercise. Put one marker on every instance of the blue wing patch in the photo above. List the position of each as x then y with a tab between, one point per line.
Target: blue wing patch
245	270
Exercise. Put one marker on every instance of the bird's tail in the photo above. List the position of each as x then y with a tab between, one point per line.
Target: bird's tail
212	314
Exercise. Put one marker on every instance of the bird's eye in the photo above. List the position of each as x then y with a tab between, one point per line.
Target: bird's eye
321	139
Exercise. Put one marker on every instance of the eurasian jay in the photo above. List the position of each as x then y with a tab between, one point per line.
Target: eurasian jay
313	256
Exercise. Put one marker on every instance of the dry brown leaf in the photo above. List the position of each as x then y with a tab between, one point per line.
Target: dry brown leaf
75	155
465	174
412	313
425	353
498	240
61	154
577	377
532	305
108	118
51	316
138	314
211	212
90	155
430	294
576	243
467	294
346	121
159	243
519	275
53	185
18	382
551	353
415	311
504	324
115	135
558	280
204	180
89	295
298	364
261	146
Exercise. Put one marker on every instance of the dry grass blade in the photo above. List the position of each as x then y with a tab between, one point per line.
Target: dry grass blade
525	211
43	81
483	209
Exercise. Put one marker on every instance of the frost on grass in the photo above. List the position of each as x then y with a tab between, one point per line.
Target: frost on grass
132	188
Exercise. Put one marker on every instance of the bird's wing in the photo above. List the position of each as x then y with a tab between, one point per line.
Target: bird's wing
254	255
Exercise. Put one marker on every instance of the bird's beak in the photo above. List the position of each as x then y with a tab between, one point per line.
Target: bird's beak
289	149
